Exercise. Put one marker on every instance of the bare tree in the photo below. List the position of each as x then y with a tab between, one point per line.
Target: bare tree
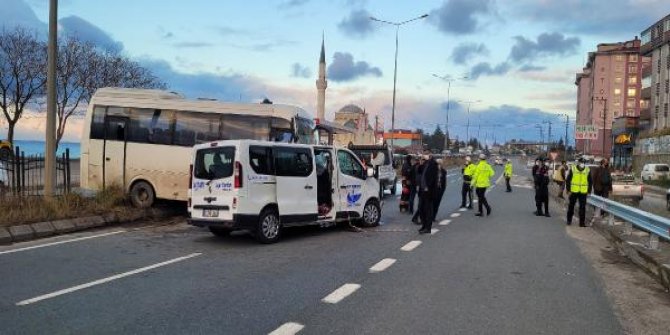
22	73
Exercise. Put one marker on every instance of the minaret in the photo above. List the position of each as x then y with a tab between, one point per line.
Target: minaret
321	85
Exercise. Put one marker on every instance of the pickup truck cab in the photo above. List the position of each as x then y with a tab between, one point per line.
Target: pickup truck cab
266	186
626	189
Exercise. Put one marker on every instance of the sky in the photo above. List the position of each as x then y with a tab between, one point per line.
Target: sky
520	57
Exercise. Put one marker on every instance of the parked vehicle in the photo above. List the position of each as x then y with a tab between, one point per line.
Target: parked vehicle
265	186
655	172
498	161
388	177
626	189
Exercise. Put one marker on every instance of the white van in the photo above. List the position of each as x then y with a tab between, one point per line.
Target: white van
265	186
655	172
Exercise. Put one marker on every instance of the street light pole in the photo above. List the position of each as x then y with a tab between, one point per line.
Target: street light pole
50	137
395	67
449	80
467	129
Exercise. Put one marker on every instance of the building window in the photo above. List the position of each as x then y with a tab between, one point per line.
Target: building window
617	103
618	58
632	58
617	91
667	86
658	66
630	103
658	89
665	109
618	80
631	92
632	80
667	60
632	69
618	68
630	112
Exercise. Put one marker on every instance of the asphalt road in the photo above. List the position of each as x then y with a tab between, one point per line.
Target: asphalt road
510	273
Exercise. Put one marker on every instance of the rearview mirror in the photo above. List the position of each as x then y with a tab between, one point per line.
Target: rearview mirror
371	172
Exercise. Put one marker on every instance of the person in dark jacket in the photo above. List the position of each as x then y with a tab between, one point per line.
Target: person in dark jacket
578	184
542	188
602	180
418	174
427	191
441	187
409	174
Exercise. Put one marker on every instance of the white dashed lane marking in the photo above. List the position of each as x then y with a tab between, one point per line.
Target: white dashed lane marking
289	328
434	231
382	265
341	293
104	280
444	222
62	242
462	209
410	246
455	215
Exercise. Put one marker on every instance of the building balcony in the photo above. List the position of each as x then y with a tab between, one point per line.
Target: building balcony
647	48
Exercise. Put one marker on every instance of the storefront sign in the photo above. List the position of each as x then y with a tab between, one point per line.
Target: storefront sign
623	139
586	132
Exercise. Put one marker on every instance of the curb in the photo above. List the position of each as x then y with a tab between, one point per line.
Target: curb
26	232
632	246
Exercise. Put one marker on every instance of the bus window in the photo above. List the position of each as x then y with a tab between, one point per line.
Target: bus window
237	127
150	126
193	128
281	131
98	123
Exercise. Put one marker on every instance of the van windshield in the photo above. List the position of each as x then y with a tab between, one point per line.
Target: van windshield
214	163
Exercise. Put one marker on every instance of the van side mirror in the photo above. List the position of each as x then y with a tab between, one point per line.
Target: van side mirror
371	172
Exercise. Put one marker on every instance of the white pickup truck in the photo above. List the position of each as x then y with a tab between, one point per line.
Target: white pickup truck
627	189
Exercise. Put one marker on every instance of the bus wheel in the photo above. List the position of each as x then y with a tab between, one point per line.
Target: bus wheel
220	232
5	154
371	213
268	226
142	195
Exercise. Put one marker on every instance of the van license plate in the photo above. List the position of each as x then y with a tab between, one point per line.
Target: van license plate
210	213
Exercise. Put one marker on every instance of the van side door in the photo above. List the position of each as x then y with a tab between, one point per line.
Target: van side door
261	180
296	184
351	179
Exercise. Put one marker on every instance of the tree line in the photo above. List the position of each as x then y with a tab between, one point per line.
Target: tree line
81	69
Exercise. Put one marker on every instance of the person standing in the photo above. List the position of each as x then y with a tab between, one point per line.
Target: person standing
466	191
427	191
578	183
602	181
559	178
542	189
409	175
481	180
508	173
441	187
418	175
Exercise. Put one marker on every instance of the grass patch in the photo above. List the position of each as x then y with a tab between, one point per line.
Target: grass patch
16	210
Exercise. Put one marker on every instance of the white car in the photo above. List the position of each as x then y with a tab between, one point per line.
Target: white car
655	172
266	186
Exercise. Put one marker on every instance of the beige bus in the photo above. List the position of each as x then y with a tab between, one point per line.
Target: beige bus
141	140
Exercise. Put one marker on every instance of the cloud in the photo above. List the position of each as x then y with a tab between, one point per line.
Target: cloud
355	3
547	44
485	69
532	68
343	68
300	71
288	4
464	52
86	31
193	44
613	17
461	16
357	24
553	76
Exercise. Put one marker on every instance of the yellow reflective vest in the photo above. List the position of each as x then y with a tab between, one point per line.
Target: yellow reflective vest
483	174
580	181
468	172
508	170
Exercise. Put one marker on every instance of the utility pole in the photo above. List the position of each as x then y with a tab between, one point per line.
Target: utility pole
603	101
50	136
567	121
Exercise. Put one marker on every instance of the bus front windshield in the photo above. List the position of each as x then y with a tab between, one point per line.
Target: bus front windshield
304	130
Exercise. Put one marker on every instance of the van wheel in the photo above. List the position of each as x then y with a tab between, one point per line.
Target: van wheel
269	227
220	232
371	213
142	195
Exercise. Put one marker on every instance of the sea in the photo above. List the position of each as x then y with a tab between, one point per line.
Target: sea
37	147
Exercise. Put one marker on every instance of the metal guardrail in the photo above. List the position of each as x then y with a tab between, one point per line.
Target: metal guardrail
652	223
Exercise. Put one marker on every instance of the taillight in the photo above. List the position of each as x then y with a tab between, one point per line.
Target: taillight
190	176
238	174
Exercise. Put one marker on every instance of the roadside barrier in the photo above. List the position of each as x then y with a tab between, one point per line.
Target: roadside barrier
657	226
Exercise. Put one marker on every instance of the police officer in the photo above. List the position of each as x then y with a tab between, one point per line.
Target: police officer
481	180
542	188
578	185
508	173
466	191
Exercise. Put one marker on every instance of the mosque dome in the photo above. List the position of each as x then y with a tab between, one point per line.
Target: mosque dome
351	109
